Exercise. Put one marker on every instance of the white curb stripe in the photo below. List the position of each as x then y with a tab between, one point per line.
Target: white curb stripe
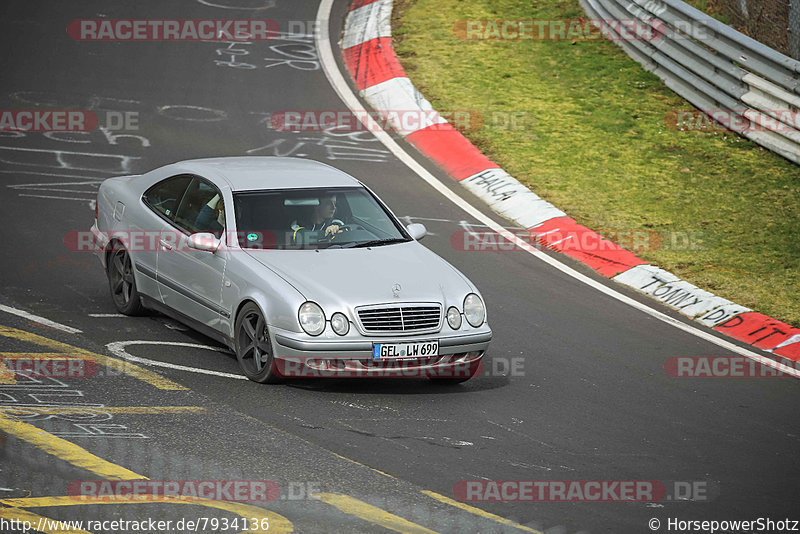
400	95
679	294
510	198
368	22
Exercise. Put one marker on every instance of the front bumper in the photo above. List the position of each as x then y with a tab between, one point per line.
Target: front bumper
460	355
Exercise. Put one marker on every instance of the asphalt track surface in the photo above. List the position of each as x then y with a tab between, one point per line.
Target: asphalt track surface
589	399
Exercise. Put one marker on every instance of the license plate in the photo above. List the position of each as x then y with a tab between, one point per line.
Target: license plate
405	350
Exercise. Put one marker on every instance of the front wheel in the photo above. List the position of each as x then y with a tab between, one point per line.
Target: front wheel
253	347
119	270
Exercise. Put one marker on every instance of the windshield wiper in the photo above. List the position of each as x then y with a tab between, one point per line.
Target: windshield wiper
375	242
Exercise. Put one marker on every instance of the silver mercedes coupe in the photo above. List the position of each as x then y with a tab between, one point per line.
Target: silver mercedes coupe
296	266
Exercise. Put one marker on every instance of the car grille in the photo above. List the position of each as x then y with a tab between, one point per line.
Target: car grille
394	319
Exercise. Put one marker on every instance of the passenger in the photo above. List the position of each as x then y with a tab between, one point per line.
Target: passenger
212	217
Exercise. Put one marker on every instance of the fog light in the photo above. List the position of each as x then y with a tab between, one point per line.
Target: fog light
454	318
340	324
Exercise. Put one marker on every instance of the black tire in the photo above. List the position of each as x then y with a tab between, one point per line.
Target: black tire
253	347
122	282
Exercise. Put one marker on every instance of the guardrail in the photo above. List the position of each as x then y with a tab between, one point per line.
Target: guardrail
742	84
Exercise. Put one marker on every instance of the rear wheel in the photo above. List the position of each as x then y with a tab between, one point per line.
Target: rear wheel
253	347
122	283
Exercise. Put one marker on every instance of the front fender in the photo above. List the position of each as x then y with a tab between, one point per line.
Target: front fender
245	280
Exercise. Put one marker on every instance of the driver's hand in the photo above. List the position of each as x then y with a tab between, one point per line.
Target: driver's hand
332	230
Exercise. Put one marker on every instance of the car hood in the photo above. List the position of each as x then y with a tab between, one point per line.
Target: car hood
345	278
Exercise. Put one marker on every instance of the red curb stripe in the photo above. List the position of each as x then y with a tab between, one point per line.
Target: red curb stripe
361	3
450	150
791	352
564	235
763	332
372	62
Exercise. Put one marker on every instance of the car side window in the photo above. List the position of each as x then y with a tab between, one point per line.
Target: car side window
202	209
165	196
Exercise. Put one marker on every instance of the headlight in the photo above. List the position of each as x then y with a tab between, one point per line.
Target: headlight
340	324
454	318
474	310
312	318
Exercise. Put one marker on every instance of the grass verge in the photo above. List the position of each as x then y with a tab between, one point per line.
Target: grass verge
590	136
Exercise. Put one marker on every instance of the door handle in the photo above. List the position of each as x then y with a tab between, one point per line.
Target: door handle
167	246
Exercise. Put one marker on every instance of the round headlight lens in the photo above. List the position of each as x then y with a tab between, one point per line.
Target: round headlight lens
312	318
340	324
454	318
474	310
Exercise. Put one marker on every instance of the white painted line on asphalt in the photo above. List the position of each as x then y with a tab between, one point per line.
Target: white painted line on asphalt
340	85
104	315
40	320
48	184
52	189
117	348
58	198
88	178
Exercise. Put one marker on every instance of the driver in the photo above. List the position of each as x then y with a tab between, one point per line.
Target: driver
322	220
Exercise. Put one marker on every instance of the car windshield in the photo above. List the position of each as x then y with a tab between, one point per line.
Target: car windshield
313	219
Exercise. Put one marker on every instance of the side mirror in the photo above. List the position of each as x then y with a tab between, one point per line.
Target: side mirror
417	230
204	241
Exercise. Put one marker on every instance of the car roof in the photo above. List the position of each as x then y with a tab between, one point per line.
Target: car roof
249	173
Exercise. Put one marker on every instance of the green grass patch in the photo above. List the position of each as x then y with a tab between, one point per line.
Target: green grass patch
591	138
709	7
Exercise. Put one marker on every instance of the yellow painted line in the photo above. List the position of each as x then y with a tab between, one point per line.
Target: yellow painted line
135	410
253	514
44	356
7	376
56	527
373	514
65	450
111	363
154	409
360	464
478	511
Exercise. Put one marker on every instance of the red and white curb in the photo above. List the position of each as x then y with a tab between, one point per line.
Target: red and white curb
382	82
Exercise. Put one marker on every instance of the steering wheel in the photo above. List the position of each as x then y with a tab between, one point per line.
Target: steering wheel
330	237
